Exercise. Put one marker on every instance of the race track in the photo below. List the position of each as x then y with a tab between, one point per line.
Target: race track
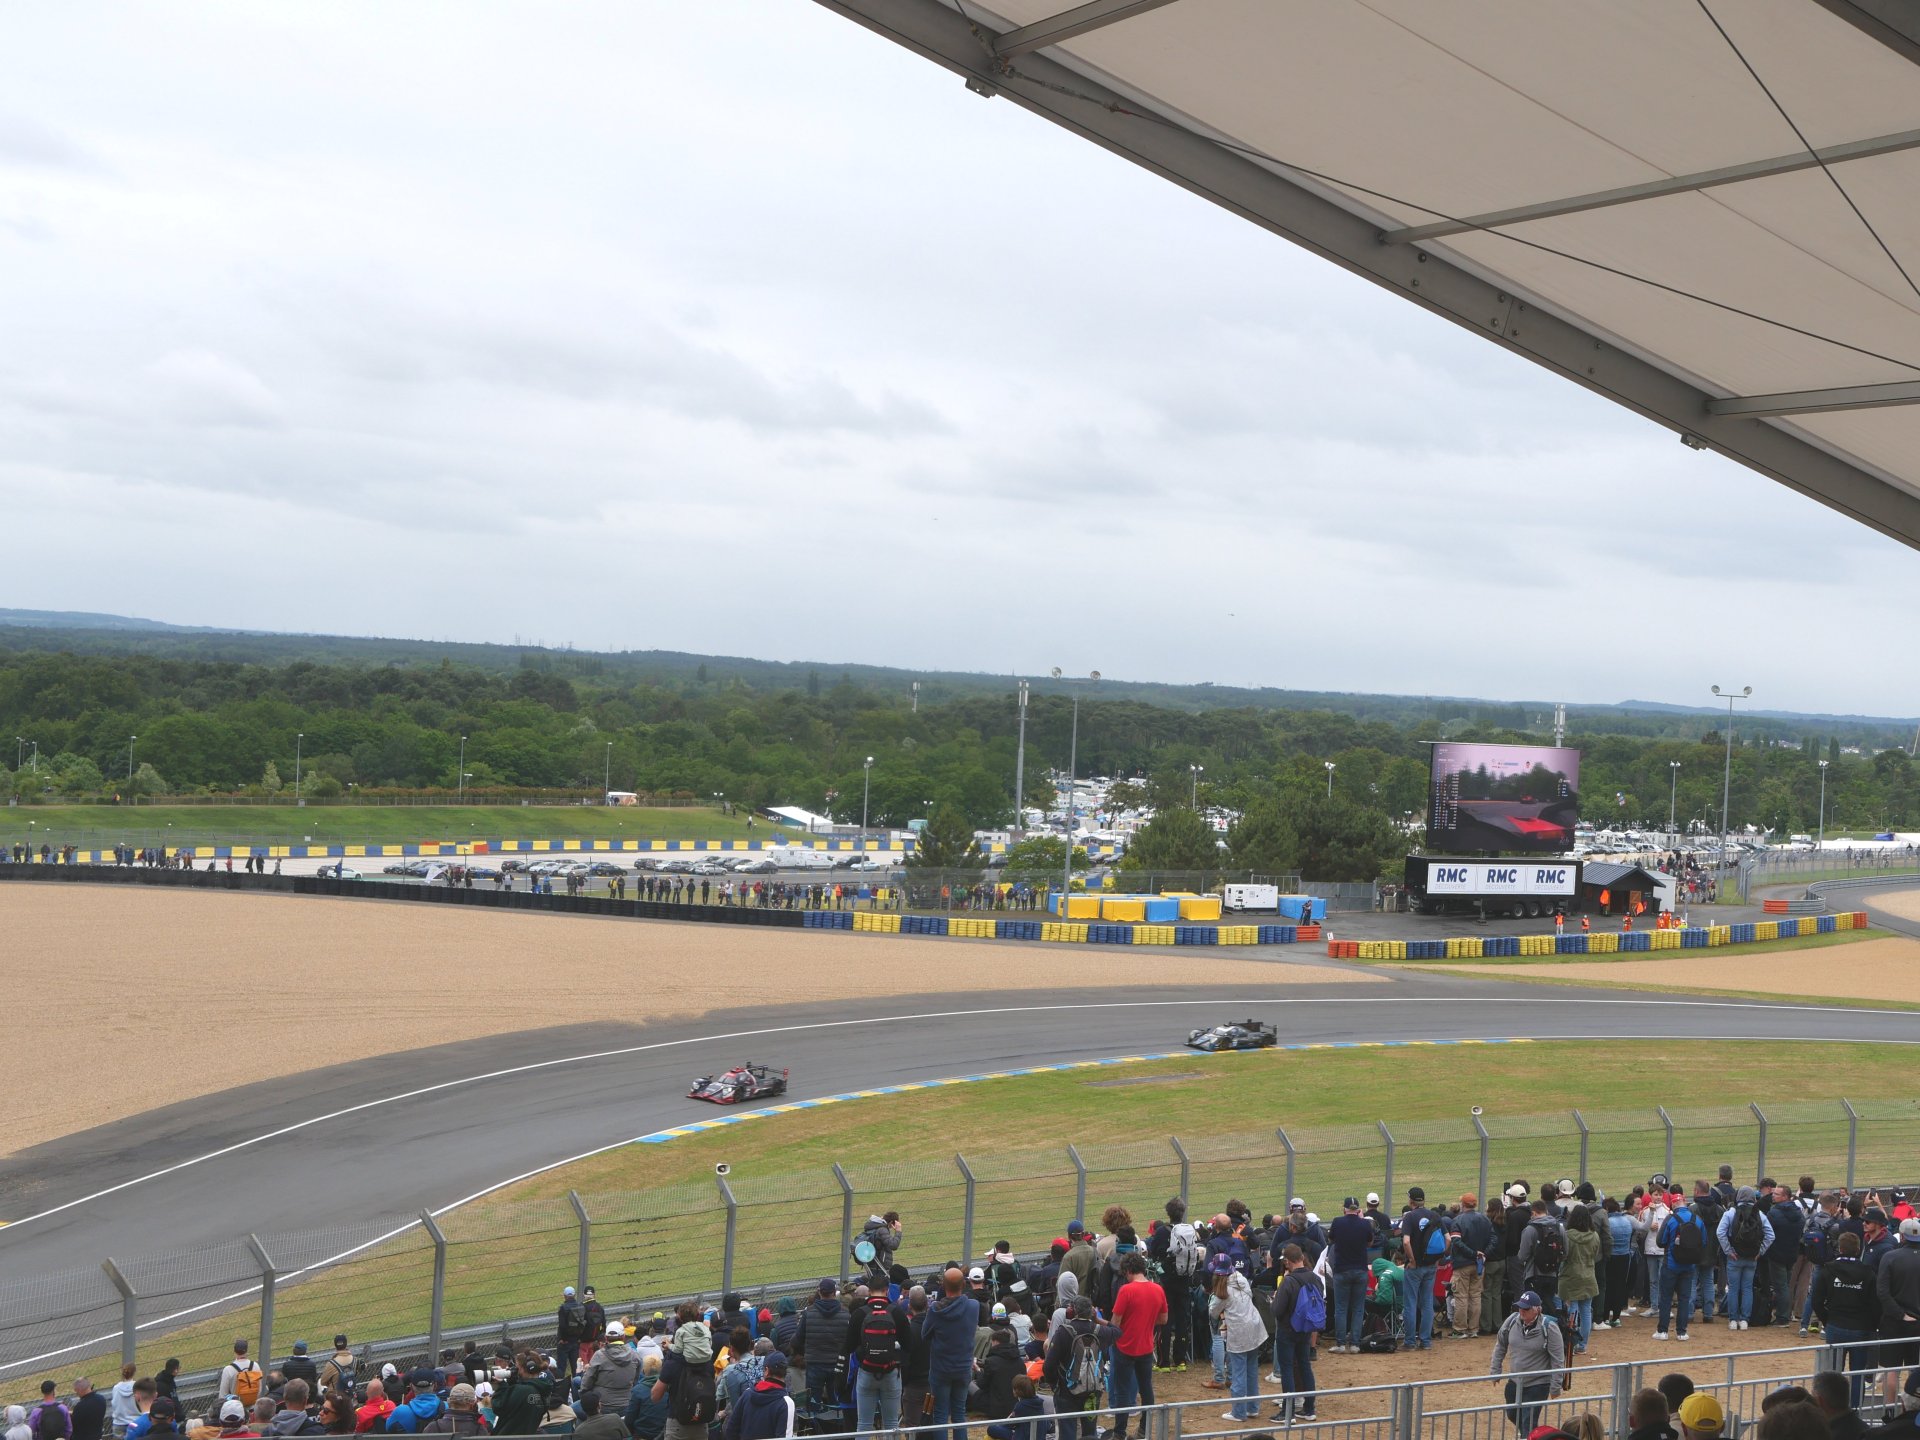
387	1138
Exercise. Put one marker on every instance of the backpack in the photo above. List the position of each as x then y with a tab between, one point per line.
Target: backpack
1687	1247
573	1321
1381	1342
879	1340
1104	1281
691	1396
1183	1249
1549	1251
343	1371
246	1383
1817	1244
1746	1234
1309	1308
1083	1366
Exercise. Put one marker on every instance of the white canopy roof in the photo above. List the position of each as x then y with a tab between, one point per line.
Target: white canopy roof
1660	190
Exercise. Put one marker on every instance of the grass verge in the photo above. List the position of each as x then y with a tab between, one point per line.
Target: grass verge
659	1225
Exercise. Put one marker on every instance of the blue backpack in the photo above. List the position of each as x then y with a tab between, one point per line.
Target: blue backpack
1309	1308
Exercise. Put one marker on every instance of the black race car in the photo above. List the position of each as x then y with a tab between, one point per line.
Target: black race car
740	1084
1241	1035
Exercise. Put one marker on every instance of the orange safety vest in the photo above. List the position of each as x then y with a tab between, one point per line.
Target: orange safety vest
1585	927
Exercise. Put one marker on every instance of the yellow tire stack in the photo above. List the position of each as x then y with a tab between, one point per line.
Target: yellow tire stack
1239	934
1054	930
1153	934
1605	943
1666	940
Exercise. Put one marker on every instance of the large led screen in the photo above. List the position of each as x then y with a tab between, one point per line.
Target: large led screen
1502	799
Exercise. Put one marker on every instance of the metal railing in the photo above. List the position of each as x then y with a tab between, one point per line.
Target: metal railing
489	1267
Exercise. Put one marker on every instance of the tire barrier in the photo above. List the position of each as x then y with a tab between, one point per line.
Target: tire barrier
1476	947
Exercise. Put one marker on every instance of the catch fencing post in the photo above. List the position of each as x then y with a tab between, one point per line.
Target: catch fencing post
1079	1191
1667	1120
265	1261
129	1309
1760	1162
1585	1136
438	1313
1481	1131
1186	1170
733	1227
966	1224
1853	1137
1386	1189
1287	1145
586	1239
846	1224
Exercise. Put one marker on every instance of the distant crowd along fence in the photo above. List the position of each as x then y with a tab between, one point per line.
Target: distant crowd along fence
495	1269
1599	942
456	849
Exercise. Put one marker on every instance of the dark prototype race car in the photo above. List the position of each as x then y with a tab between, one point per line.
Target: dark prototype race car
740	1084
1241	1035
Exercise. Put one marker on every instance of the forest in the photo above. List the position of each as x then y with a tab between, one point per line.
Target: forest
119	726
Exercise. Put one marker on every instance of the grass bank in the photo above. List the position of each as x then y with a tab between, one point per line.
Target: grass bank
659	1224
89	826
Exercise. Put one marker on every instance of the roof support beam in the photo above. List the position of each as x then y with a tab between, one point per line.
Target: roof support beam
1652	189
1288	209
1894	23
1080	20
1819	402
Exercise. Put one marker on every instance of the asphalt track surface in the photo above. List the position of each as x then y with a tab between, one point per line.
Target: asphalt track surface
392	1136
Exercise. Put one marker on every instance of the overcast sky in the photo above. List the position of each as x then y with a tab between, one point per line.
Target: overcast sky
729	327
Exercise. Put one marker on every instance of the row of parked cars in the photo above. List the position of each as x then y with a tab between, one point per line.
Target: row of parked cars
759	862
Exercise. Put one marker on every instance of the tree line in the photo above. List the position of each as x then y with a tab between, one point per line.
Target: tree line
225	727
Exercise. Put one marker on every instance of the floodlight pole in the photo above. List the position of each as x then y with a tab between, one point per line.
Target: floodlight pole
1019	768
1673	795
1726	792
1823	805
866	793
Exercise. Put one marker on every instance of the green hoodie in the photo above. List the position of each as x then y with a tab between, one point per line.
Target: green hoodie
520	1405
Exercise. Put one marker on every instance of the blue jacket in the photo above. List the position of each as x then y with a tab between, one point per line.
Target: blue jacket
764	1413
414	1416
1789	1224
949	1329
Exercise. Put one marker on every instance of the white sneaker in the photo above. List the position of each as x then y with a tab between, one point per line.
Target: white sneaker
1733	1324
1229	1415
1682	1335
1659	1334
1276	1379
1743	1324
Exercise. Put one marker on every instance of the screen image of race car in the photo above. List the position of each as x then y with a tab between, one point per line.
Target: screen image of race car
1502	799
738	1085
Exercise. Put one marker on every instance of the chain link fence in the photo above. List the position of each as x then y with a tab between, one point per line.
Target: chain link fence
496	1269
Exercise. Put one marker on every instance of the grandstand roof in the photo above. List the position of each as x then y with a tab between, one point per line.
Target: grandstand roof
1622	193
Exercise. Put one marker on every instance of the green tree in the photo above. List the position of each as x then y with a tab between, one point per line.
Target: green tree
75	775
1343	841
947	843
1042	857
147	781
270	779
1175	839
1264	840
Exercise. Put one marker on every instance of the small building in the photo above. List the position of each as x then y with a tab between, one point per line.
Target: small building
1608	888
794	818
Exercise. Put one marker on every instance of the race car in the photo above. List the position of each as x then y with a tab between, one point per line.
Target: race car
1241	1035
740	1084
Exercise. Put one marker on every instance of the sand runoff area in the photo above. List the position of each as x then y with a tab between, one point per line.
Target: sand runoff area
114	962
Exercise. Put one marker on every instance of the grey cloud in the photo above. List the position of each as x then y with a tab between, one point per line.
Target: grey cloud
28	142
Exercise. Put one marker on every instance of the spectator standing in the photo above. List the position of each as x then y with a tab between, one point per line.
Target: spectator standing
121	1406
1528	1344
768	1412
1350	1238
89	1411
1684	1240
299	1366
1299	1315
1744	1236
880	1348
1423	1240
1578	1286
1619	1240
1543	1253
1897	1286
1789	1225
1244	1335
949	1330
612	1373
1139	1310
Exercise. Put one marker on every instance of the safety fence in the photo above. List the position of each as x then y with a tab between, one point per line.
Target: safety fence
1474	947
495	1268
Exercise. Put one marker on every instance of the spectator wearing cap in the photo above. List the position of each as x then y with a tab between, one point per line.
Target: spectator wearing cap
767	1411
1080	1256
612	1372
421	1407
1701	1417
1897	1286
820	1346
1877	1240
337	1372
1470	1245
1350	1238
786	1325
1513	1229
1527	1344
1423	1240
299	1366
570	1329
164	1418
234	1420
1382	1224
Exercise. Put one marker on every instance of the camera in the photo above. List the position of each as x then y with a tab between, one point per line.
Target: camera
722	1168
